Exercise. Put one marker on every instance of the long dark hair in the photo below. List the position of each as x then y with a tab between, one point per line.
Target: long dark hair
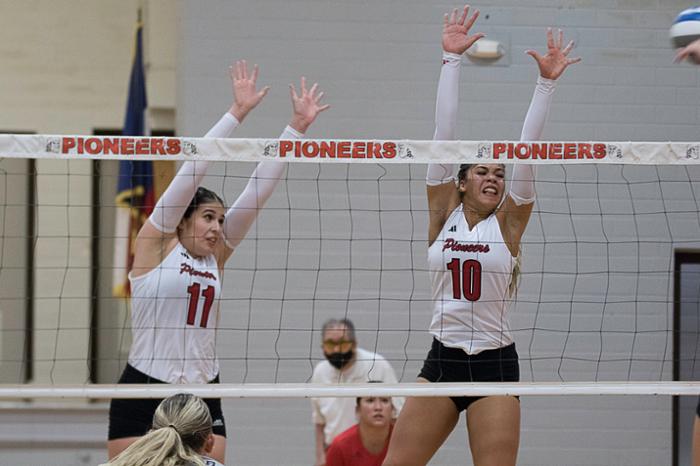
463	169
202	196
462	175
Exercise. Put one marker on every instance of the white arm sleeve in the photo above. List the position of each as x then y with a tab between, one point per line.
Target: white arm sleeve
522	187
261	184
446	106
224	127
539	109
173	203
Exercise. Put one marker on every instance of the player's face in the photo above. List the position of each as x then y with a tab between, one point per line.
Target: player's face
202	232
375	411
484	187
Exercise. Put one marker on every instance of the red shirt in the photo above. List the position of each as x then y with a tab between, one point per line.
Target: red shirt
347	450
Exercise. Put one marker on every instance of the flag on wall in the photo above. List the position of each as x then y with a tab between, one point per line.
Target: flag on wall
135	194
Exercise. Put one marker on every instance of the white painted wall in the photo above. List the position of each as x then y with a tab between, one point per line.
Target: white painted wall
65	70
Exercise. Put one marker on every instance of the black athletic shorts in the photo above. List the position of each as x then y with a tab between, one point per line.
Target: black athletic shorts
445	364
697	408
133	418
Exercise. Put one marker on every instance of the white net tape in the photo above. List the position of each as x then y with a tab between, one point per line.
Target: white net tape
354	151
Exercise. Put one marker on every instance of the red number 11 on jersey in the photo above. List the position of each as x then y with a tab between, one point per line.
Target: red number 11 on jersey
208	294
470	282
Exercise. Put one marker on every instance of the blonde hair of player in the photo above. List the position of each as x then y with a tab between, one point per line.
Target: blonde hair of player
182	429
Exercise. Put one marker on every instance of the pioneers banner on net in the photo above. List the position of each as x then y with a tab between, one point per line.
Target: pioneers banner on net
344	151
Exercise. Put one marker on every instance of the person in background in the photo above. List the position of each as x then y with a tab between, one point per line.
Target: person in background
345	363
691	52
365	443
181	435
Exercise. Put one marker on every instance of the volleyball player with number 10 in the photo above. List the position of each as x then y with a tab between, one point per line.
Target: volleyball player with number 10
179	258
474	235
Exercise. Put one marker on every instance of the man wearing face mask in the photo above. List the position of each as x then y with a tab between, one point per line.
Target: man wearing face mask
345	363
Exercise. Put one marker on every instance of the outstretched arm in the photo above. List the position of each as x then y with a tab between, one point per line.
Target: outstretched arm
691	52
440	178
517	207
446	106
551	66
153	242
455	41
240	217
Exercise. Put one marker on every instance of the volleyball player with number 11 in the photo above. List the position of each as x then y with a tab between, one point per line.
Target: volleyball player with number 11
179	258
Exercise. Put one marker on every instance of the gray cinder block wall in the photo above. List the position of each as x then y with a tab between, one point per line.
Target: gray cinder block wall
584	264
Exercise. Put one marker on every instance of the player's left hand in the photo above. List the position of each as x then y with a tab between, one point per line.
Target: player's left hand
306	105
690	51
556	60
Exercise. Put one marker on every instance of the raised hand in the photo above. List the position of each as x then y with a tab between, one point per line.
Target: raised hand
245	96
556	60
455	31
690	51
305	105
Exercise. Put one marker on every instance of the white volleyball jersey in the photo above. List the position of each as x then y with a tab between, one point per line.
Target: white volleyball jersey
211	461
174	315
470	272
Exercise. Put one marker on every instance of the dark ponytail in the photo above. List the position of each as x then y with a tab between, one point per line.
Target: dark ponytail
463	169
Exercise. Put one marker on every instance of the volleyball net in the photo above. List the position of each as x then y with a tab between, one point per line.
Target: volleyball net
607	301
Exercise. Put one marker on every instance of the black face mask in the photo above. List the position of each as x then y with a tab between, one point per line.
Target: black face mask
340	360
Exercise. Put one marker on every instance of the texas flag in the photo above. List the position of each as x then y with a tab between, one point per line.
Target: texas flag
135	188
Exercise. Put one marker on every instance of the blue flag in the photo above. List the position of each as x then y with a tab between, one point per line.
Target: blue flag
135	191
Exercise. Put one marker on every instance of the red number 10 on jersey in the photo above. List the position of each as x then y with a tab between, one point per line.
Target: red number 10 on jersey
469	284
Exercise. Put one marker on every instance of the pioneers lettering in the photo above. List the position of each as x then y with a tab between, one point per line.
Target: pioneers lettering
187	268
338	149
548	151
121	146
453	245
